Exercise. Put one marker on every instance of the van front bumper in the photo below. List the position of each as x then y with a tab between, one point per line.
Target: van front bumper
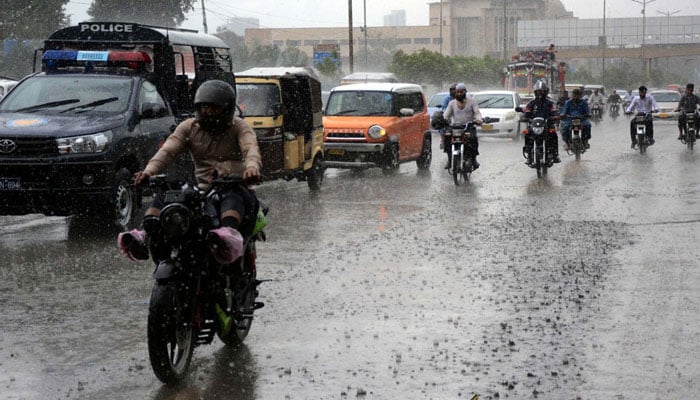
353	155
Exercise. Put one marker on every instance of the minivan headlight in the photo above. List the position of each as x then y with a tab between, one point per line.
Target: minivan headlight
376	131
95	143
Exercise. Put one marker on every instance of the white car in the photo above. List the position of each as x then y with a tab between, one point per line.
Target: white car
499	106
667	100
6	85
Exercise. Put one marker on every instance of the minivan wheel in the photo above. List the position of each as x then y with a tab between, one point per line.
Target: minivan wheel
314	176
426	154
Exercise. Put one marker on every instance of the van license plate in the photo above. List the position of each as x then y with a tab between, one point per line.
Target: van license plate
336	152
486	127
9	184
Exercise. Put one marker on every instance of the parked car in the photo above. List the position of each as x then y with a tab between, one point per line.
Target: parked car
667	100
377	125
499	106
435	103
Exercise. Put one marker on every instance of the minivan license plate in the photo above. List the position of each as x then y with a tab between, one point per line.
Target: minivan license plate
9	184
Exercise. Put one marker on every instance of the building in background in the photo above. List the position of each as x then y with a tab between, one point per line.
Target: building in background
238	25
395	18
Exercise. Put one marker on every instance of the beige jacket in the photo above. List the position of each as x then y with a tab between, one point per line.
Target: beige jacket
230	152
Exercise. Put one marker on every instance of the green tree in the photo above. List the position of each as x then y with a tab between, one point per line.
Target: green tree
31	19
155	12
328	68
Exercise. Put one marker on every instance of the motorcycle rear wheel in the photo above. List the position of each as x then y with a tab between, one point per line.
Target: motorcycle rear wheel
690	139
171	337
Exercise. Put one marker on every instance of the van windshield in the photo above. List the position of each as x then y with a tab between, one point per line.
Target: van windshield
362	103
56	94
258	99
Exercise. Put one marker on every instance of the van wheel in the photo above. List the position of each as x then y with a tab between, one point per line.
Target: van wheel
125	203
426	154
391	159
314	176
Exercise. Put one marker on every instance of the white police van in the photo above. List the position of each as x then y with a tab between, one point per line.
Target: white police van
107	96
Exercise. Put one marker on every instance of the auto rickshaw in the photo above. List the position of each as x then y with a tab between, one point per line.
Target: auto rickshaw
284	107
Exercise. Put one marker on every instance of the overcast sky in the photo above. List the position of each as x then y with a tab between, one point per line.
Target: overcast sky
328	13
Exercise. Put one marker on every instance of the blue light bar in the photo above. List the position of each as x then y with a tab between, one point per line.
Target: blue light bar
59	55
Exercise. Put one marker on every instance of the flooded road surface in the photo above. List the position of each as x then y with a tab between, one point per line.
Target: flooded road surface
579	285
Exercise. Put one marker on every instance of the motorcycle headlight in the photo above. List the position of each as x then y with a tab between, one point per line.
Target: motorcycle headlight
537	130
95	143
376	131
175	220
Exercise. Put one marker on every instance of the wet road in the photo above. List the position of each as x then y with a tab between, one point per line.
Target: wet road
579	285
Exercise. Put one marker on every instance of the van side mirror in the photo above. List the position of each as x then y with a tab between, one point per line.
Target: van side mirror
406	112
152	110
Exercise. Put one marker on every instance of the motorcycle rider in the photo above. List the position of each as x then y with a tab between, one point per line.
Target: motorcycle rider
576	107
646	104
220	144
541	106
596	100
445	101
561	100
689	103
614	98
460	112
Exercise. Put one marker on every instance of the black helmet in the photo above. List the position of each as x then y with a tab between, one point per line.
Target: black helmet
541	86
218	93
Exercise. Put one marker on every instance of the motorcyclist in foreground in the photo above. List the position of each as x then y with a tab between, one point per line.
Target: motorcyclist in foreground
220	144
459	112
541	106
576	107
689	103
646	104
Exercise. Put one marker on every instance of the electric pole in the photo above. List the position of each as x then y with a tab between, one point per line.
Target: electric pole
204	18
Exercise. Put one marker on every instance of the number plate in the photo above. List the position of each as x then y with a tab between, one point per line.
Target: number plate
9	184
336	152
486	127
663	115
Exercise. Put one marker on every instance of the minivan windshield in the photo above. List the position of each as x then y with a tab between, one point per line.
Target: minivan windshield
360	103
64	94
258	99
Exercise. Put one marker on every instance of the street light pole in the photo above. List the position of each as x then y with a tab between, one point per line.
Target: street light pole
505	32
644	34
668	28
364	8
350	57
440	27
605	44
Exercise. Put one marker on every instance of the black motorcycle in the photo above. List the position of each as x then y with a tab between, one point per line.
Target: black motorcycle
577	144
194	297
689	134
596	112
640	128
614	110
462	153
538	155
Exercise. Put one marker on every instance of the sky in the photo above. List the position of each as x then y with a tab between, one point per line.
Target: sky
334	13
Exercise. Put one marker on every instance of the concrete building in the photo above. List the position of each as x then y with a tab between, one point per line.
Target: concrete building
469	28
395	18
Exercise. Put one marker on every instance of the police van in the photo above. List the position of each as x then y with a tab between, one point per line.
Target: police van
108	94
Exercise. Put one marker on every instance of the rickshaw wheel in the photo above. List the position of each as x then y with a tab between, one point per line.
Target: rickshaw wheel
314	175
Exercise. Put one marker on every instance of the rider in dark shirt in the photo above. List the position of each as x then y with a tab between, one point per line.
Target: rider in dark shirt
688	104
541	106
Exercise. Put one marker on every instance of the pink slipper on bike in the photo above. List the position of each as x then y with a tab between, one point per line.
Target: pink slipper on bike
225	244
133	245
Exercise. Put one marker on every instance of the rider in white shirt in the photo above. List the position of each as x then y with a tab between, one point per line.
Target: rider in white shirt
642	104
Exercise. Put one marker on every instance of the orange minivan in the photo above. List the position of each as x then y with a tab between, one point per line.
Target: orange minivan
376	125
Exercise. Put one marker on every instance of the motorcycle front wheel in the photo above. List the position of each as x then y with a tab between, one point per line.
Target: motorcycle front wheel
690	139
457	168
170	332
